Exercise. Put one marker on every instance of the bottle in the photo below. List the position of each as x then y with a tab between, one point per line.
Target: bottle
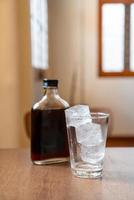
49	142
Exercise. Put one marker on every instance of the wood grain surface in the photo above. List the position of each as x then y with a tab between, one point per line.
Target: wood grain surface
21	180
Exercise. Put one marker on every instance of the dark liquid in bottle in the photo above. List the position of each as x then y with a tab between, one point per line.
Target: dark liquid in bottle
48	134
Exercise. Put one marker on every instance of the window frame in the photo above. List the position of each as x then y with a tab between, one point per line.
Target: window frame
125	73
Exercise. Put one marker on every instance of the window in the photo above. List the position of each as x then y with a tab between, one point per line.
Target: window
116	38
39	33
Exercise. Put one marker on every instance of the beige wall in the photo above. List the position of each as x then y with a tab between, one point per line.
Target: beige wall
25	68
9	99
73	60
15	84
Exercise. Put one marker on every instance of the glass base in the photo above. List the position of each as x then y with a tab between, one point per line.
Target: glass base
85	170
50	161
87	174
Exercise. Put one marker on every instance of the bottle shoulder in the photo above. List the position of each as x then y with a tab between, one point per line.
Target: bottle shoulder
50	103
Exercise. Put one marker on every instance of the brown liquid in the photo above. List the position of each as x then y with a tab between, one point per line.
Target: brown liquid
48	134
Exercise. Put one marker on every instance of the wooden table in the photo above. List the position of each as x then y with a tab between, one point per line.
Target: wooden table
20	180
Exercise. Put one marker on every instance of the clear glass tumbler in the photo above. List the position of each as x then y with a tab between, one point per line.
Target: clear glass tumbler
87	140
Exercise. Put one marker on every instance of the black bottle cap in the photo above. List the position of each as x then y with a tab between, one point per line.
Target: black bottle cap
50	83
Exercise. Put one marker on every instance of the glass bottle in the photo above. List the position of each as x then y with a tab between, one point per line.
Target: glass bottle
49	142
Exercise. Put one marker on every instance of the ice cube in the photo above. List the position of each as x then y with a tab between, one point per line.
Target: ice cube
82	132
93	154
92	146
77	115
88	133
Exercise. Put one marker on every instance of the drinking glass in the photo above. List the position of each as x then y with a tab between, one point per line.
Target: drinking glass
87	141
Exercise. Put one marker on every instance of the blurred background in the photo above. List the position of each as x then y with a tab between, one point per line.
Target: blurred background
55	39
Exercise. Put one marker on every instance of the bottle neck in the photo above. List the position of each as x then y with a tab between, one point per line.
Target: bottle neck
51	92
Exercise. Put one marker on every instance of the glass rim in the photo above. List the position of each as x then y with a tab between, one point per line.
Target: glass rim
99	115
93	115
